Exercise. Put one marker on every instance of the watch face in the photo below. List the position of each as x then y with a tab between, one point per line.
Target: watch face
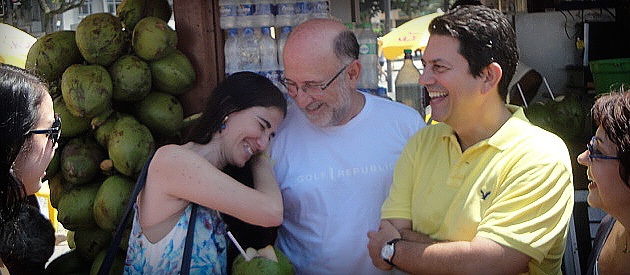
387	251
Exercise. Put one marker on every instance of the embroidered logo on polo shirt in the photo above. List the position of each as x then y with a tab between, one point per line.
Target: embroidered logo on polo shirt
484	195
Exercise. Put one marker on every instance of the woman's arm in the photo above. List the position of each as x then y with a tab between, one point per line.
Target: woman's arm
185	175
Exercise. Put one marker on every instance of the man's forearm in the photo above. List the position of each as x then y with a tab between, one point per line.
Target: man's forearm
476	257
412	236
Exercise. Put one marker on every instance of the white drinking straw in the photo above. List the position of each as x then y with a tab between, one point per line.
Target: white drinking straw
247	258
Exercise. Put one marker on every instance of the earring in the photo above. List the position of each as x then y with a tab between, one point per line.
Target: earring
223	126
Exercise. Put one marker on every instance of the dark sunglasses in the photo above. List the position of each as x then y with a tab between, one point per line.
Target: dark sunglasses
53	133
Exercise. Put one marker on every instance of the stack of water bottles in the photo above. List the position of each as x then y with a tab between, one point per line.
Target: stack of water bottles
249	45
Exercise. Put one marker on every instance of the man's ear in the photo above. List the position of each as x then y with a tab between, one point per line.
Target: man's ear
491	75
354	70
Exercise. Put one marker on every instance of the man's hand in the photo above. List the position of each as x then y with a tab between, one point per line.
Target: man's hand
386	232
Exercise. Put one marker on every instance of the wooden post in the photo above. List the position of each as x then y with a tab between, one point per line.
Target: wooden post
201	40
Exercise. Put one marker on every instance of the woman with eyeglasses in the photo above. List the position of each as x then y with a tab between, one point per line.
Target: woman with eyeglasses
29	131
608	160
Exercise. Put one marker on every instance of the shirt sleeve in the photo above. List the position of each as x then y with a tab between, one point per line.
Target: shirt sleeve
532	209
398	202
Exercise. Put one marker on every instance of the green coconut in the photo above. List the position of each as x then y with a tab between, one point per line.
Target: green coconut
71	125
80	160
130	145
111	201
70	239
153	39
90	242
100	38
58	188
131	78
51	54
54	164
76	208
118	265
173	74
263	265
87	90
130	12
162	113
160	9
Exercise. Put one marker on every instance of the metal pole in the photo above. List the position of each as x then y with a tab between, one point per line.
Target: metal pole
388	5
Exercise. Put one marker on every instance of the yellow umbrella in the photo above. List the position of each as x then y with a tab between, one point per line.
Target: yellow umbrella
413	35
14	45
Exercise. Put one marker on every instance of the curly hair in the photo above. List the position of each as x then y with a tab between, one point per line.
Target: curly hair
611	111
27	240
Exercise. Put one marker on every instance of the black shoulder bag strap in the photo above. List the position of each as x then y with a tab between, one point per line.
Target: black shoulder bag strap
113	247
189	241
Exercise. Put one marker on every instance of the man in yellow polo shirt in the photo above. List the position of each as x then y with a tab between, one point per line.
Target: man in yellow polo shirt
483	191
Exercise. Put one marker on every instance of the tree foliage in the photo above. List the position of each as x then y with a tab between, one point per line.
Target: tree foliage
51	8
18	13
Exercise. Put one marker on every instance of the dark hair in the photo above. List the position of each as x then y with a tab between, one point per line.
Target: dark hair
346	46
27	240
485	36
464	2
21	94
237	92
612	112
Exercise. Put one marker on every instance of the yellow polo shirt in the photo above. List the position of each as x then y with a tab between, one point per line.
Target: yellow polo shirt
514	188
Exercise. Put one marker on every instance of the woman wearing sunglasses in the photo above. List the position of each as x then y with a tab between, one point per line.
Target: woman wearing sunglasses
608	160
29	131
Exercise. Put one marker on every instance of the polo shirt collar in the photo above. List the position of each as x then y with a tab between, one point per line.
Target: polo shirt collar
509	133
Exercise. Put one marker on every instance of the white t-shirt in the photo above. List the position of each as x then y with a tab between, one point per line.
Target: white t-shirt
334	181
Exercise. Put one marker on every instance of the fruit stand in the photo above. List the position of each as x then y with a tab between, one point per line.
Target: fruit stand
122	86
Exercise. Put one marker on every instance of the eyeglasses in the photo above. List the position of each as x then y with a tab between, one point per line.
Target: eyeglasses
53	133
592	155
310	89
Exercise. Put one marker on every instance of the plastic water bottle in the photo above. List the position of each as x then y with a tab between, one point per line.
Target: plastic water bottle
268	56
245	14
408	90
227	10
249	51
368	58
282	39
231	52
268	49
263	16
285	11
301	12
319	9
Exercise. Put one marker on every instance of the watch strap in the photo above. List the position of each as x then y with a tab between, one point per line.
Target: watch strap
393	244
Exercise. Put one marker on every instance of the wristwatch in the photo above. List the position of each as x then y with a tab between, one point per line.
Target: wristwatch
388	251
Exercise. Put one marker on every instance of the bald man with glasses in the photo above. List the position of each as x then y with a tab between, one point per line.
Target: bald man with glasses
335	152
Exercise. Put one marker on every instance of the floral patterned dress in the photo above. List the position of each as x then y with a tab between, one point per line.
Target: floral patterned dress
165	256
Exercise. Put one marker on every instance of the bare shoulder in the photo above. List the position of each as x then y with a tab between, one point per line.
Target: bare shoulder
168	157
177	158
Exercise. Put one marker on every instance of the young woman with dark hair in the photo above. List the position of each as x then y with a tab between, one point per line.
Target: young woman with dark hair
29	131
239	120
